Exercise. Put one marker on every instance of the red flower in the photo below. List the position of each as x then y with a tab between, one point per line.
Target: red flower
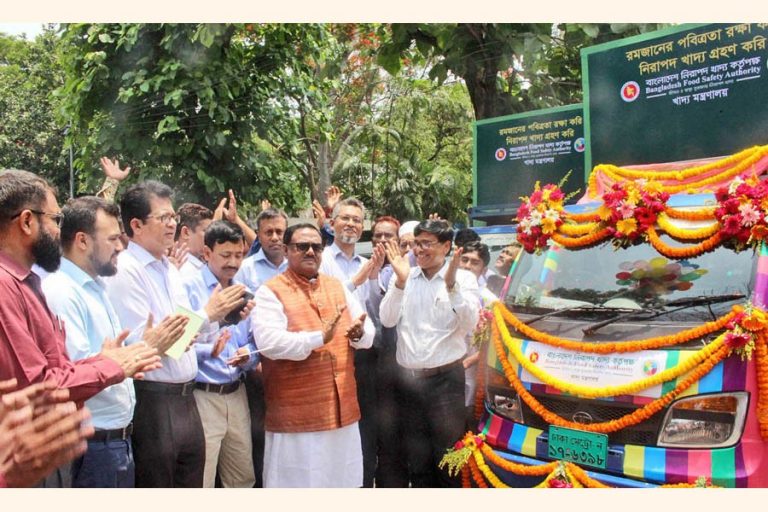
559	484
734	340
722	194
731	225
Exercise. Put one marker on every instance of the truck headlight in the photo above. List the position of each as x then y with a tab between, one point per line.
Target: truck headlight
502	399
705	421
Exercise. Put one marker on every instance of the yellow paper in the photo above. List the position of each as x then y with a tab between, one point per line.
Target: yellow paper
193	326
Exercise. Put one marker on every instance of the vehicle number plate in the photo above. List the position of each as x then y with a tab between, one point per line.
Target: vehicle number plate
578	446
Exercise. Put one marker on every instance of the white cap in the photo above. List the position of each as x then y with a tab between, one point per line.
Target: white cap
407	227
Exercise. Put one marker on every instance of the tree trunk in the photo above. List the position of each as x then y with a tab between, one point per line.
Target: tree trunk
324	166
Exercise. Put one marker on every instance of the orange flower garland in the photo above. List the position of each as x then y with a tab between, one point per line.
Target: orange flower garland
465	483
761	364
480	379
578	229
613	346
701	214
581	241
710	244
686	234
583	217
476	475
628	420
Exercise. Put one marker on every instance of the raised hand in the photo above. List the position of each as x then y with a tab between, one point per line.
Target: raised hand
332	196
329	328
240	358
166	333
178	255
135	360
434	216
221	343
112	169
319	213
453	266
400	265
377	258
265	204
218	213
222	301
231	213
355	331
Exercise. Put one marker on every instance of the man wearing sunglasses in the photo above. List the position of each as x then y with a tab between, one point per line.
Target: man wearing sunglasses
306	326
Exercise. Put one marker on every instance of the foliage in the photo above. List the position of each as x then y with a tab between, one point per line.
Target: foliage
30	137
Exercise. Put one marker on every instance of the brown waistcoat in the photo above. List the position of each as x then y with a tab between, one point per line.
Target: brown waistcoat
318	393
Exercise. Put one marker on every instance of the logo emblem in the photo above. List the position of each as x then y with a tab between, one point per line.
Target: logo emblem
534	357
630	91
582	417
501	154
650	367
579	145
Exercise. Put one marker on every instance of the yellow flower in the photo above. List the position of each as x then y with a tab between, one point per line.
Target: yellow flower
604	212
654	187
633	195
548	225
545	194
541	207
756	321
626	226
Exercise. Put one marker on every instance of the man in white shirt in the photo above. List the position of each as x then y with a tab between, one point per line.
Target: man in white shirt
168	439
434	306
194	219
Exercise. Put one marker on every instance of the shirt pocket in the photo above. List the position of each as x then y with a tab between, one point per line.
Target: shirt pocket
442	311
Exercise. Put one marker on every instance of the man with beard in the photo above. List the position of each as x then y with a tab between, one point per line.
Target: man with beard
256	270
90	237
220	397
31	338
307	326
354	271
168	438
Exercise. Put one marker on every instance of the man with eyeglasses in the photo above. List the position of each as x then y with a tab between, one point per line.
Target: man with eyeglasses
307	326
355	272
168	438
434	306
32	345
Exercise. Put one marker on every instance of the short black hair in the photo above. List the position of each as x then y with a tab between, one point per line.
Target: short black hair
481	249
20	190
80	217
222	232
440	228
465	236
191	215
288	235
135	201
270	213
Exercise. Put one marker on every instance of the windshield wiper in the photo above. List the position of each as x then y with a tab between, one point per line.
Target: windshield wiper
580	307
677	305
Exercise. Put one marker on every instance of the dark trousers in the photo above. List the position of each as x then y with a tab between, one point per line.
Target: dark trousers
254	387
106	464
168	440
435	420
365	376
392	468
60	478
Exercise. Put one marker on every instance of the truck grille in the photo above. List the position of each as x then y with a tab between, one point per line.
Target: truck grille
643	434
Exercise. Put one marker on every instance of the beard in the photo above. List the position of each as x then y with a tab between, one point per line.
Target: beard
47	251
103	268
345	239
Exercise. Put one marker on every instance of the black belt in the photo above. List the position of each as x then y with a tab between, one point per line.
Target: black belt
431	372
221	389
182	388
121	434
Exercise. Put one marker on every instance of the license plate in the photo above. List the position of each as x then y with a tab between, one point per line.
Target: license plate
578	446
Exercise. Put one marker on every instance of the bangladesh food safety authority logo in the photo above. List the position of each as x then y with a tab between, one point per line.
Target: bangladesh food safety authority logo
630	91
501	154
650	367
579	145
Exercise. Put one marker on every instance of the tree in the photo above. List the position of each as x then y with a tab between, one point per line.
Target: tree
30	136
507	68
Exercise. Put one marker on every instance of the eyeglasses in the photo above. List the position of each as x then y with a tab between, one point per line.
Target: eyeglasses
58	218
165	218
425	244
305	246
406	244
350	220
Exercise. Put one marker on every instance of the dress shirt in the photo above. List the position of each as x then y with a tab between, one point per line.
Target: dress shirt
82	303
216	370
270	329
432	324
32	340
257	270
191	267
335	263
143	285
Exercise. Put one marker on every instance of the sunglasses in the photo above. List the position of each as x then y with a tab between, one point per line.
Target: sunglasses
305	246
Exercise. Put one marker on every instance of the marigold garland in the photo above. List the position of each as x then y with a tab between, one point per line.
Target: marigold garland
686	234
613	346
698	214
476	475
761	365
480	379
630	388
637	416
578	229
581	241
679	253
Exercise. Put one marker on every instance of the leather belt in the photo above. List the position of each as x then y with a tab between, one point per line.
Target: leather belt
431	372
121	434
221	389
182	388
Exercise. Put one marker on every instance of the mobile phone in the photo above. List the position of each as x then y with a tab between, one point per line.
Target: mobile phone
233	316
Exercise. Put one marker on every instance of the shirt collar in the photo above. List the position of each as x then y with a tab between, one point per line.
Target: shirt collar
440	273
143	256
195	261
261	256
336	250
209	279
13	268
77	274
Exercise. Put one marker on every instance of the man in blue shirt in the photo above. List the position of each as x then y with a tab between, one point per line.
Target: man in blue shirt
270	258
221	399
90	236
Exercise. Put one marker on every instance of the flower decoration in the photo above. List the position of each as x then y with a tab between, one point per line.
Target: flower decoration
539	216
744	329
483	328
741	212
630	208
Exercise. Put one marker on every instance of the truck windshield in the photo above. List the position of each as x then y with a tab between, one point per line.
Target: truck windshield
635	278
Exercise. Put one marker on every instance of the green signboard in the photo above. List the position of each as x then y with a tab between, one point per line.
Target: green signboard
579	446
687	92
512	153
